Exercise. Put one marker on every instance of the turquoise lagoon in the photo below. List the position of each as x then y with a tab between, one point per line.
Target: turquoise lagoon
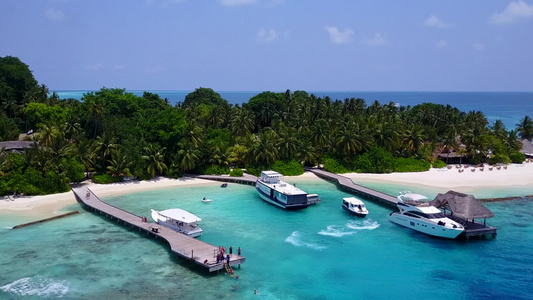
317	253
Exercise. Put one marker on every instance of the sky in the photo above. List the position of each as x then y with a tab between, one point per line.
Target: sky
275	45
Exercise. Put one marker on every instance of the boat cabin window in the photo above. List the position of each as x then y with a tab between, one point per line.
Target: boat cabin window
436	216
411	214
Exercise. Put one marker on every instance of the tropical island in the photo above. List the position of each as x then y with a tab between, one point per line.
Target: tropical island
111	135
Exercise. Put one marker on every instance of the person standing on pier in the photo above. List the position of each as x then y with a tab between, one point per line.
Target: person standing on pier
227	259
239	251
230	250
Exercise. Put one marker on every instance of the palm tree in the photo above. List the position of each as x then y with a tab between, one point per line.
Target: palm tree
48	134
351	139
449	143
188	156
242	122
525	128
413	139
289	144
119	165
104	146
264	147
86	154
155	159
96	110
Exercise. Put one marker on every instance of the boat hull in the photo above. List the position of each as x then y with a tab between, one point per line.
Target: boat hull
355	213
277	203
423	226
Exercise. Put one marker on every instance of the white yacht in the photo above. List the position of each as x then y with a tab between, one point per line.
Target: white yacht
354	206
275	191
420	216
178	219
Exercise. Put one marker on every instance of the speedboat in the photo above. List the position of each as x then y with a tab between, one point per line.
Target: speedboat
354	206
280	193
419	215
179	220
205	200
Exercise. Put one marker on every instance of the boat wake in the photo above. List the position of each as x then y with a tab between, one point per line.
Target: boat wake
349	228
37	286
364	225
296	239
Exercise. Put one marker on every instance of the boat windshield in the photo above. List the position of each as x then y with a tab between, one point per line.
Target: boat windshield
436	216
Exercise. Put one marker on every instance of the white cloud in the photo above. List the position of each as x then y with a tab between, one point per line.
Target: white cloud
513	11
441	44
337	37
267	36
94	67
434	21
55	15
377	40
478	46
236	2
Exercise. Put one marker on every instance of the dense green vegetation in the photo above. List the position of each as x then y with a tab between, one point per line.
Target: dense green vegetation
113	134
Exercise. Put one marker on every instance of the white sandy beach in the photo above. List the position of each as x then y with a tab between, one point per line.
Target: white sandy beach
446	179
50	205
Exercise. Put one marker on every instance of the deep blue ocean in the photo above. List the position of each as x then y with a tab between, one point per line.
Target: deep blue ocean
317	253
509	107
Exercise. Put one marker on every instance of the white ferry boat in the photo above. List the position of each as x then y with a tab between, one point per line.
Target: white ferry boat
275	191
421	216
354	206
178	219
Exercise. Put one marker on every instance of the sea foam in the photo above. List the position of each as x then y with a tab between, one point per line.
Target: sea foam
37	286
349	228
296	239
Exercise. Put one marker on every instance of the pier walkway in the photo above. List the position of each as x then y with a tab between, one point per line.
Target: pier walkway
348	185
245	179
192	249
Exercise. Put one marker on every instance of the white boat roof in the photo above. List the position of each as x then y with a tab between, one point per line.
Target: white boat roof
411	196
271	173
179	215
428	209
353	200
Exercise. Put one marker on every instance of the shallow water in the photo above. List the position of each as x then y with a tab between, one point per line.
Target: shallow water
317	253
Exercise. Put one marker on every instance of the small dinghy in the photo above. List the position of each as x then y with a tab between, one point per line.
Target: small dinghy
205	200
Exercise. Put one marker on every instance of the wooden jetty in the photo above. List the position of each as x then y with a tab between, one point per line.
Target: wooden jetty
245	179
192	249
47	219
348	185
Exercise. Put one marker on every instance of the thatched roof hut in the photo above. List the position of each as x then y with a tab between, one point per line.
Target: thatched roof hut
461	205
527	147
16	146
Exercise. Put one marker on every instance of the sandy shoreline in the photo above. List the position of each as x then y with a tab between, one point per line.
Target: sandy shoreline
514	175
50	205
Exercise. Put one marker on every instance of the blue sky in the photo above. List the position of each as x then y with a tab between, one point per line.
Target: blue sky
257	45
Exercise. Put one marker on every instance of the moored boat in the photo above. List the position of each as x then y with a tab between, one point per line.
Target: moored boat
419	215
354	206
206	200
282	194
178	219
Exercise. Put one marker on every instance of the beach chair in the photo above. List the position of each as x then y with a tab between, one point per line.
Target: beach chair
498	167
490	168
481	169
473	169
